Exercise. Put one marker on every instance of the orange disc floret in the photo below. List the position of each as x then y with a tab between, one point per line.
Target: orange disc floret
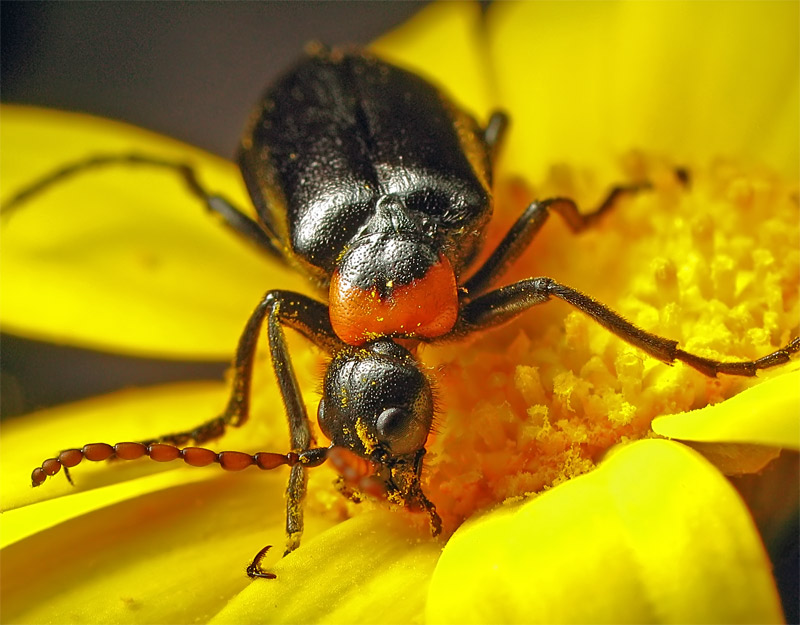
427	307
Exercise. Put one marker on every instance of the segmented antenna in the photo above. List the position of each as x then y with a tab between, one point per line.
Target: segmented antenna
161	452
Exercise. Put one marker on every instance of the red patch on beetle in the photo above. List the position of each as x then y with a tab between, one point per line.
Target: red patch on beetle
425	308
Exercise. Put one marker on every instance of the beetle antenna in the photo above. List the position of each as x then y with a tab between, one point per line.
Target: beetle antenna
161	452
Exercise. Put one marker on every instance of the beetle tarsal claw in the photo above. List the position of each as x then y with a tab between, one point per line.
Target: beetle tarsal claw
254	569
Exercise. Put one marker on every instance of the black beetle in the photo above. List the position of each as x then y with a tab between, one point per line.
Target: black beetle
376	186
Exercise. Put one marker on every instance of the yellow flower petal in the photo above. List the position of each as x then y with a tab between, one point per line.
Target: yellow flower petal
123	416
737	459
172	556
654	535
144	544
122	258
374	568
775	401
587	81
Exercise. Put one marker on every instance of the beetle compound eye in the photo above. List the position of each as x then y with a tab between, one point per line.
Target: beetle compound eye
398	429
323	418
392	422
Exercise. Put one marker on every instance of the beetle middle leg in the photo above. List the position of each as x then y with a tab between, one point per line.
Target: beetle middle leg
503	304
522	233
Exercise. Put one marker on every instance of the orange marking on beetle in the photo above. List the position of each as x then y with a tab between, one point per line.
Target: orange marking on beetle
425	308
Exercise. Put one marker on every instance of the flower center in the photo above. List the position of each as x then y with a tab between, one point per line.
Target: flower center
540	400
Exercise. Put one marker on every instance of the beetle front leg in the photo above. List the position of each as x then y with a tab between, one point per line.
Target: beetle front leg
299	425
311	319
295	495
522	233
299	312
506	303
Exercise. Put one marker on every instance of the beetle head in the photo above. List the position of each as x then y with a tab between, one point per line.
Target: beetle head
378	404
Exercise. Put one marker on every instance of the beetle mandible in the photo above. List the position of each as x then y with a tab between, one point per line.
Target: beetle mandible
371	182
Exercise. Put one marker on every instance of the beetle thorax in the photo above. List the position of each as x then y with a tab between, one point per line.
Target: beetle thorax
391	281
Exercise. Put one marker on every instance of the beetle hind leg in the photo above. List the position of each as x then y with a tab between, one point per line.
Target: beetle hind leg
525	229
712	367
232	217
504	304
201	434
494	133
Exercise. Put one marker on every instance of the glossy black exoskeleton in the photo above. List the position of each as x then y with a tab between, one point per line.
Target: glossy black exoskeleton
370	181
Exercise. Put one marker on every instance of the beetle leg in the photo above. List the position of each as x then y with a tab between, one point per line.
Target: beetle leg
307	316
231	216
532	219
310	318
506	303
299	426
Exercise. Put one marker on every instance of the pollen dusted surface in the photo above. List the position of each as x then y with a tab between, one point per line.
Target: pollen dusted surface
538	401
